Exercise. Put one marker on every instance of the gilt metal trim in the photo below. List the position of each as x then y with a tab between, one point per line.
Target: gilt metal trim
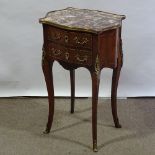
43	56
95	29
97	65
95	146
67	55
83	59
82	42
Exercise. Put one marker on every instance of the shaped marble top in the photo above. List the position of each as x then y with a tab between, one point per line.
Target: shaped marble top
83	19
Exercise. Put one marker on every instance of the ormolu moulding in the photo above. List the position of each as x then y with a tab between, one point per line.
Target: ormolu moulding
97	65
43	56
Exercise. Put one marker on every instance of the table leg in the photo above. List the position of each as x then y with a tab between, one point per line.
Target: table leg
115	79
47	70
72	81
95	90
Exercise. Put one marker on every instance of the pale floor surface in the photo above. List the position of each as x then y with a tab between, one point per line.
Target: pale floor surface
22	122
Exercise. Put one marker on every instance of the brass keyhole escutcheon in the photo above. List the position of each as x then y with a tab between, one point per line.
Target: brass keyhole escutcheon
66	39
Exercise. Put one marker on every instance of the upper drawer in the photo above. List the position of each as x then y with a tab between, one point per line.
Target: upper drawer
80	39
69	38
53	34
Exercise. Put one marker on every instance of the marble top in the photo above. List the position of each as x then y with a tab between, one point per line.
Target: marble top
83	19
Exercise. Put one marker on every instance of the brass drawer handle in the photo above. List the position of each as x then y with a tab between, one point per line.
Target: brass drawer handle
56	52
84	59
84	41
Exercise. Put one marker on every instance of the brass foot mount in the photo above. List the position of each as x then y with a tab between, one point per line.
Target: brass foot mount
95	147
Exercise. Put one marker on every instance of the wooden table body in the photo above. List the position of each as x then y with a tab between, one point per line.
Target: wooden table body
73	49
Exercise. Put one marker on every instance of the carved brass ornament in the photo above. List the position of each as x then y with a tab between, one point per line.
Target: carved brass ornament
97	65
43	55
80	42
121	52
57	36
84	59
67	55
95	147
56	52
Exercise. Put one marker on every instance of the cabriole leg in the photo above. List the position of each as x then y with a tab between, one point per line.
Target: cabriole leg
115	79
47	70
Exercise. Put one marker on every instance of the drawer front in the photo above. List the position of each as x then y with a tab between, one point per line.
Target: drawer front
69	38
57	35
80	39
56	52
83	57
71	55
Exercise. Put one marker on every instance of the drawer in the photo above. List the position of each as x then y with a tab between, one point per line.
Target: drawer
56	51
69	38
83	57
56	35
67	54
80	39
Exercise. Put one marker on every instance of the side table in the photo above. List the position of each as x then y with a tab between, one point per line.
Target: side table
82	38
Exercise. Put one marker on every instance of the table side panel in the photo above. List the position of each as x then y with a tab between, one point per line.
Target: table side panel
108	48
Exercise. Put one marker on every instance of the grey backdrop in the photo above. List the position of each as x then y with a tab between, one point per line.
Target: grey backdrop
21	43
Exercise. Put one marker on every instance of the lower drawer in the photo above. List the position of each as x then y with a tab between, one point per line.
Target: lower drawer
71	55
